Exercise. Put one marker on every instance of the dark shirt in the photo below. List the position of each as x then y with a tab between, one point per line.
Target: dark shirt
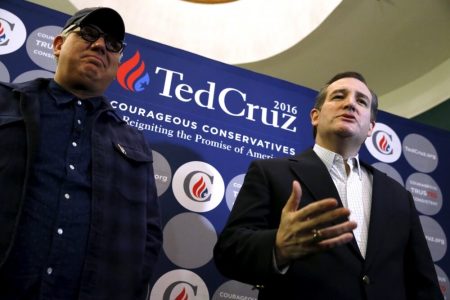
125	235
48	255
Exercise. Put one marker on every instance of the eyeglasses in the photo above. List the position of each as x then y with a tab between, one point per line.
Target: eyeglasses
91	33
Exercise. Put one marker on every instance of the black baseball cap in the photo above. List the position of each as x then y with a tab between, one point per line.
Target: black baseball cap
107	19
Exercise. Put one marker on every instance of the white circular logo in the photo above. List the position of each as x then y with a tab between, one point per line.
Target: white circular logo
390	171
189	240
435	236
426	193
233	289
40	46
420	153
443	282
198	186
4	73
384	144
12	32
163	172
33	74
233	188
179	284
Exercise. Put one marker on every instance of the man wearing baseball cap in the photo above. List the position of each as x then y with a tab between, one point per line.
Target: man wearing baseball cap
79	215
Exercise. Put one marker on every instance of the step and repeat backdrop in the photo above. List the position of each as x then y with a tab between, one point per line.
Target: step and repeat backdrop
206	121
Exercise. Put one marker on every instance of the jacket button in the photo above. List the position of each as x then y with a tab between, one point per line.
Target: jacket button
366	279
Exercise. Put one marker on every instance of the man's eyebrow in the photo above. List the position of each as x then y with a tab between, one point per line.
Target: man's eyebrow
346	91
343	91
359	94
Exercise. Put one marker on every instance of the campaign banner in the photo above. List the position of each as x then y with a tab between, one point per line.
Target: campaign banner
205	121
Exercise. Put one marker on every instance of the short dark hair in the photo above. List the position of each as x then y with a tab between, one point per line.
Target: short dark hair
322	95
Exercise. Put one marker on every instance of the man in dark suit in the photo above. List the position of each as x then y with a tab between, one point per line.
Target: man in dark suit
322	224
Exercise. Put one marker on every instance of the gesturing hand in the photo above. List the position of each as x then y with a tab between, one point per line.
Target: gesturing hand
303	231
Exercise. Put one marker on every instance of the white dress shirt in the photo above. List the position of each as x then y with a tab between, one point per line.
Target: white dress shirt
355	190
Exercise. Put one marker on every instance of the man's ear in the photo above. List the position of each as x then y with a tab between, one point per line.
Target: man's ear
57	44
314	115
371	128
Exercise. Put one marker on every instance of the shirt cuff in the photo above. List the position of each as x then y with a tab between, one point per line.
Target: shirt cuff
275	265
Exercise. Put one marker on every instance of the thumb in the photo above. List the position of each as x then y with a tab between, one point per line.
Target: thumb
294	199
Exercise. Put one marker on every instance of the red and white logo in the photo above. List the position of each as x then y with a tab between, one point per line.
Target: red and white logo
132	74
198	186
181	285
384	144
12	32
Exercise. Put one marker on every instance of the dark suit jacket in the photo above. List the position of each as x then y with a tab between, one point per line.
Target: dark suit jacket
398	264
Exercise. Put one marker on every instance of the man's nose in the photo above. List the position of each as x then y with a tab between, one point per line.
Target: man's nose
99	44
350	102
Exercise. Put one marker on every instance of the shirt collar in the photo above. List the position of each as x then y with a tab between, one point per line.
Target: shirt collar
329	158
61	96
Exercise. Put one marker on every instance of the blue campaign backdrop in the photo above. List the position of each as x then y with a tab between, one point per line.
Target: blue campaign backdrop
206	121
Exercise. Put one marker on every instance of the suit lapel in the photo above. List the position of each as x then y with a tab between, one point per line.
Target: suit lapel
380	205
314	176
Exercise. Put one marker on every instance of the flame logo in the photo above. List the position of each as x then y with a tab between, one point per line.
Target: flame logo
382	142
131	74
182	295
198	186
199	189
2	32
3	38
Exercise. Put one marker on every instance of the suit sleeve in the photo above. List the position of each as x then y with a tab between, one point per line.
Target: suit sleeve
245	247
420	274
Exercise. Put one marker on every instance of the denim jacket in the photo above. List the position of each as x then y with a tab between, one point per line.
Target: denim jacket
125	232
